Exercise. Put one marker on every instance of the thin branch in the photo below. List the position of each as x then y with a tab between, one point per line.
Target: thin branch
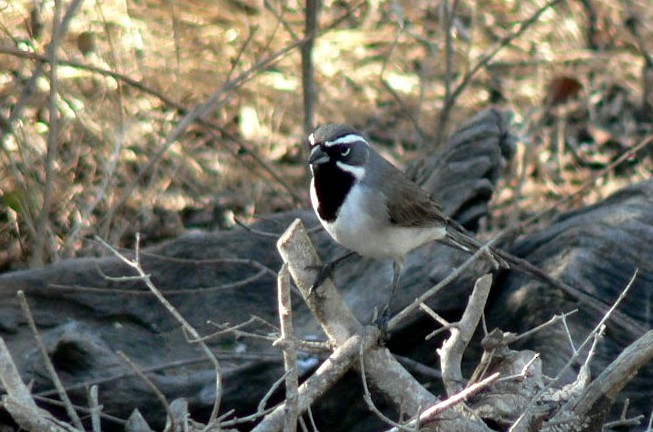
367	397
437	409
136	265
287	343
452	350
95	408
150	384
19	403
482	62
329	372
554	319
308	70
519	424
408	310
61	391
42	223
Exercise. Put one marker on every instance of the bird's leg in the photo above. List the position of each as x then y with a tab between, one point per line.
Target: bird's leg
397	267
325	271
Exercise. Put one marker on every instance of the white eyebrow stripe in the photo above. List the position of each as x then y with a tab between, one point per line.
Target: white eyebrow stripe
347	139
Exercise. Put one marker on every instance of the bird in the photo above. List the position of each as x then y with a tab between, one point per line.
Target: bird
370	206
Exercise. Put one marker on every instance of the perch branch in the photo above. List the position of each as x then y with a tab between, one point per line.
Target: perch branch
454	400
339	323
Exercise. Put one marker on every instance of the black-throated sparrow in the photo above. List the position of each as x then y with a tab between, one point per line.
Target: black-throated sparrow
369	206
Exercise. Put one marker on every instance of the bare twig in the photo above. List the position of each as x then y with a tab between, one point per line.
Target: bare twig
435	410
317	384
42	222
337	320
95	408
452	350
482	62
150	384
70	410
19	403
614	377
367	397
405	313
308	72
287	342
145	277
554	319
519	424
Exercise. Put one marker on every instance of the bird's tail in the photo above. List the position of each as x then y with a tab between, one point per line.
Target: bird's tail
460	238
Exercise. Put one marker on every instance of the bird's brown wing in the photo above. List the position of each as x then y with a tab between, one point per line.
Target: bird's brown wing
411	206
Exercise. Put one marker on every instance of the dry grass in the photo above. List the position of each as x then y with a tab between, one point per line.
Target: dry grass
382	67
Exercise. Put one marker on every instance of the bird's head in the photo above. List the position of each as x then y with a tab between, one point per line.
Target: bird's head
340	146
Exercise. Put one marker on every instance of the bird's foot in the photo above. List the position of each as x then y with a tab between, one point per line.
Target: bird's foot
323	273
381	322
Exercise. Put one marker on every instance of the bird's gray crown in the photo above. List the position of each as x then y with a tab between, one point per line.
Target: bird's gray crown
334	134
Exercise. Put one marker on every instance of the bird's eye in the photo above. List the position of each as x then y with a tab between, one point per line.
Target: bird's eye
344	150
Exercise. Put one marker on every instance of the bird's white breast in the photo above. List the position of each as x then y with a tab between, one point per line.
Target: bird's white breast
362	226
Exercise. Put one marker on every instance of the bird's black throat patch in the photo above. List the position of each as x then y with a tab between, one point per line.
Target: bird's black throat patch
332	185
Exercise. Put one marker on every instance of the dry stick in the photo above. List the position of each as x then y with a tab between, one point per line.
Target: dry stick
61	391
614	377
150	384
145	277
436	410
554	319
405	313
308	71
289	347
339	323
59	28
94	408
327	375
451	353
484	60
19	403
518	425
367	397
449	17
42	235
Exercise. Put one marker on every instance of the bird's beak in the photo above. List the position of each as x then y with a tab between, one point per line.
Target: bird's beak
318	156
